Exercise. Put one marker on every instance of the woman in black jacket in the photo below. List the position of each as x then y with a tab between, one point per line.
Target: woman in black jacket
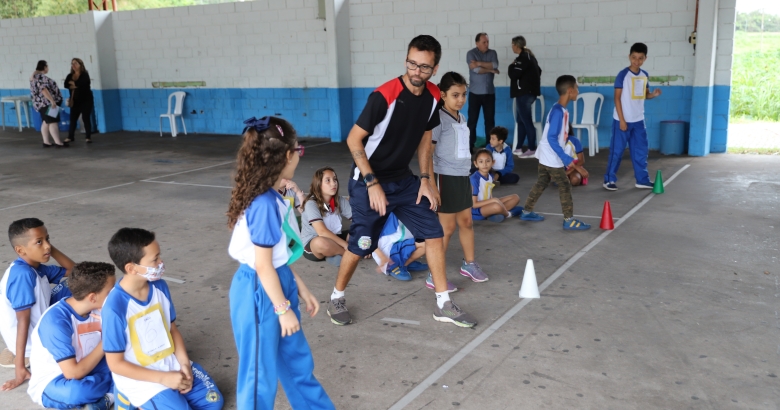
525	78
81	101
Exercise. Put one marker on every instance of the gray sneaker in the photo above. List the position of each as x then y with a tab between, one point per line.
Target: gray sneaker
473	271
337	310
453	314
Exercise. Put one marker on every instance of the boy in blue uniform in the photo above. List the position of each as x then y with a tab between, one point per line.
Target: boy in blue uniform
503	164
67	361
26	293
144	349
628	120
553	160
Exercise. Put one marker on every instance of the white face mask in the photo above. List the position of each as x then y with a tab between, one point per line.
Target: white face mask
153	274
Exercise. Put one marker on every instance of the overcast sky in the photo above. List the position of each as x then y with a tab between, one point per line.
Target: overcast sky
769	6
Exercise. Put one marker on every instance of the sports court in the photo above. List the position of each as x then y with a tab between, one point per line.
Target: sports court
675	308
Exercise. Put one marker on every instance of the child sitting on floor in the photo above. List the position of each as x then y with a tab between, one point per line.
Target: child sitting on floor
67	361
144	348
503	164
484	205
573	148
397	251
26	293
323	210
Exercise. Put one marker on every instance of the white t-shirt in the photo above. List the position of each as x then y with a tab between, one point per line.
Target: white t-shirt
24	287
61	334
141	329
550	150
482	187
263	224
634	94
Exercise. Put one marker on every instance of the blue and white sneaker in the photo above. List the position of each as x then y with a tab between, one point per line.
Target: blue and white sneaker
106	403
531	216
516	211
496	218
417	266
648	185
400	273
611	186
572	224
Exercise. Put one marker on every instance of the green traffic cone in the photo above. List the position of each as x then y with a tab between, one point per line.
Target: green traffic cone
658	186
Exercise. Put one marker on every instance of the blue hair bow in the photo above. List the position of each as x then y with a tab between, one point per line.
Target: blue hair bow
259	125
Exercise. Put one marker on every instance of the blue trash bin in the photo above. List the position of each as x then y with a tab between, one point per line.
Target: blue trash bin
674	139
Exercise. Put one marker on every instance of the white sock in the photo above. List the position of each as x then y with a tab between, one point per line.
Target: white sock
336	294
510	214
441	298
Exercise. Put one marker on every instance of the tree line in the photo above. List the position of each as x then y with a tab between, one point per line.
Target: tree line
752	22
10	9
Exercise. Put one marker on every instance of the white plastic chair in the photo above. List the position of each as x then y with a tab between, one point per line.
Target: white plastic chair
589	121
171	116
537	124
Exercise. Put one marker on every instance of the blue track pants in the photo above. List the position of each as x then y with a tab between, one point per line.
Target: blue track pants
636	137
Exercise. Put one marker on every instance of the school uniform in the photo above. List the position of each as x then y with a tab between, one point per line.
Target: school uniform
141	330
24	287
332	220
632	99
63	334
266	358
482	188
396	242
503	163
452	162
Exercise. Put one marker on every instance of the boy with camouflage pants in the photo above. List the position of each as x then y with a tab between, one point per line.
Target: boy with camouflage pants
553	161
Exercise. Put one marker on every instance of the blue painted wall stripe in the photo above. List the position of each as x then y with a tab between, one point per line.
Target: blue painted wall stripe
331	113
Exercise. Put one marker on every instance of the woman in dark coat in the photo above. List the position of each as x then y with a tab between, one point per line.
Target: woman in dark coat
81	101
525	78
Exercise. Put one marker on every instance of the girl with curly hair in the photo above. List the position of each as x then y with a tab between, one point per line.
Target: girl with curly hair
265	292
323	210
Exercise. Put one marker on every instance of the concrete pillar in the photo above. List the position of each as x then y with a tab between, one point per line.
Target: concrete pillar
339	68
704	79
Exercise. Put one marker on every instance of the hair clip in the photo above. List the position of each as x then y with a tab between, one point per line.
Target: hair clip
278	127
259	125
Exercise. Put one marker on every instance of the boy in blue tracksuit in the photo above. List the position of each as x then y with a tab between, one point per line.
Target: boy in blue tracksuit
503	163
628	120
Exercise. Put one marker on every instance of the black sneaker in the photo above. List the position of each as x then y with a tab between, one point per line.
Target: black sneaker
610	186
453	314
337	310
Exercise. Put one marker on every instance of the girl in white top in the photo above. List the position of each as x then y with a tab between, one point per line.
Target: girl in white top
321	218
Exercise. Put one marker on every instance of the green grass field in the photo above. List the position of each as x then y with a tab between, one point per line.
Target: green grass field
755	85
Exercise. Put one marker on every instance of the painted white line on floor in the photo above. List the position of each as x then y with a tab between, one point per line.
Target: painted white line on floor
466	350
174	280
192	170
65	196
182	183
576	216
404	321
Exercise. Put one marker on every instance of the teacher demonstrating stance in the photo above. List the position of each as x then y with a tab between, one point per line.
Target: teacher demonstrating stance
395	123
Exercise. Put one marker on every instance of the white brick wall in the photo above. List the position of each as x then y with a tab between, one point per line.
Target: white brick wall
579	37
281	43
255	44
54	39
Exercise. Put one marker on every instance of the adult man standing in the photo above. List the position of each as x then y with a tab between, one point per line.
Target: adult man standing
397	121
483	66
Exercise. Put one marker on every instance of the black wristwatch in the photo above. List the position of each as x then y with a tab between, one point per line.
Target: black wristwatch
369	178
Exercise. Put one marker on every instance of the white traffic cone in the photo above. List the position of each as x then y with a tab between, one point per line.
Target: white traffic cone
529	289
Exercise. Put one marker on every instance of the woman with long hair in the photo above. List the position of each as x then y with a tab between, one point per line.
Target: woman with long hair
524	86
81	102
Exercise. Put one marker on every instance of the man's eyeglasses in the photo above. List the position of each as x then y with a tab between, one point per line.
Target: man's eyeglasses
300	150
425	69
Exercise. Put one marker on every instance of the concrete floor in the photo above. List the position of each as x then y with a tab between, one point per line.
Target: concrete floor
676	308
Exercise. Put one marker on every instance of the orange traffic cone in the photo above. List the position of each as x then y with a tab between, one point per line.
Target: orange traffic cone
606	217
